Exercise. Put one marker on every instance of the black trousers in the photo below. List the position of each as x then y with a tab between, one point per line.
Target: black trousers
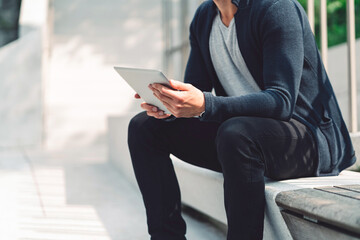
244	149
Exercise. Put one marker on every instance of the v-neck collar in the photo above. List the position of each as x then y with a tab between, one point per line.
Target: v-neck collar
223	26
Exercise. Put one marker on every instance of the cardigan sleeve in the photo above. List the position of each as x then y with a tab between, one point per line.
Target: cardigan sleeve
281	34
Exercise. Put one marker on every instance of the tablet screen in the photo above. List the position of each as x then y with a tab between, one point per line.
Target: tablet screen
139	80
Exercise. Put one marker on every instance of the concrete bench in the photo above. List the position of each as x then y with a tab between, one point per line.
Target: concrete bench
322	212
202	189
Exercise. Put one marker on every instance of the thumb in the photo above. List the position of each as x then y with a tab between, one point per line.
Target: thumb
179	85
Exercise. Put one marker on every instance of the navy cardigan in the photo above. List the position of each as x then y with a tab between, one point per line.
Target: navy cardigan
280	52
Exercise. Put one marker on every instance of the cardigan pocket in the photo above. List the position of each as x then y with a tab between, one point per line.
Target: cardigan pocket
330	131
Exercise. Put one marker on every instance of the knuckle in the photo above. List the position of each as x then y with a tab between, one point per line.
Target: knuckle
178	112
181	100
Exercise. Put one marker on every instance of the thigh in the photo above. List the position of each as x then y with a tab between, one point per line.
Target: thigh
287	149
189	139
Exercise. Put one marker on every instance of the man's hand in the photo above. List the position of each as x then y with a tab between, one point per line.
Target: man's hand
184	102
152	110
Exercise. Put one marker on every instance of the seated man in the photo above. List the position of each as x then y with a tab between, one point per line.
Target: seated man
274	114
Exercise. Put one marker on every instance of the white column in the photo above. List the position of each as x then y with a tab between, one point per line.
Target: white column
184	23
167	35
323	31
311	14
351	63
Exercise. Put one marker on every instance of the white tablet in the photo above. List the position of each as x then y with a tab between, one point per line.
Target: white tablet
139	79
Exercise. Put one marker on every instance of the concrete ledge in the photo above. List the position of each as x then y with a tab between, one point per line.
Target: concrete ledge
202	189
355	138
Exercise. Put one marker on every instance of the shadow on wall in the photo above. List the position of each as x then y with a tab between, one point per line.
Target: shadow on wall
338	74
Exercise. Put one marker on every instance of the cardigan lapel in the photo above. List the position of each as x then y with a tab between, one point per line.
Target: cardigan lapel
206	50
242	25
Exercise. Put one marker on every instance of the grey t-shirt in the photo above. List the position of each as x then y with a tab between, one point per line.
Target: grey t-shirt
228	62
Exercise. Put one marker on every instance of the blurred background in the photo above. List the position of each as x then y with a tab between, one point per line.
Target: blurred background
57	80
62	105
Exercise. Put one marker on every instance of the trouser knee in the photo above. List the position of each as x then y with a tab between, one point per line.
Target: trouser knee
238	153
140	131
145	132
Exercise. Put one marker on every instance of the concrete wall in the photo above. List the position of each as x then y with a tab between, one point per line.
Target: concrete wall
64	102
89	38
22	64
20	91
338	74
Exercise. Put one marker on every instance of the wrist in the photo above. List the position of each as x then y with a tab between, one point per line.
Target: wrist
202	108
201	114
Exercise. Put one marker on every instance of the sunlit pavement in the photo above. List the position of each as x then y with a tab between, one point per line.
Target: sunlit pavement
75	196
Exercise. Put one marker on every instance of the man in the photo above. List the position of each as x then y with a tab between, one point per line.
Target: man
275	114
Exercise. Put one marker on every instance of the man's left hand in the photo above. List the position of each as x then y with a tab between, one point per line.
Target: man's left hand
184	102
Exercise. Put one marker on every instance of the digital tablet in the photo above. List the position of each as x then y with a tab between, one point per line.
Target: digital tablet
139	79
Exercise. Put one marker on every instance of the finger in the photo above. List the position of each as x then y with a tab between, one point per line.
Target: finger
173	94
158	115
149	107
167	102
179	85
162	114
159	86
171	108
137	96
153	109
163	97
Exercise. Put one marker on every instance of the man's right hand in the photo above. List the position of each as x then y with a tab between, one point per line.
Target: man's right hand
151	110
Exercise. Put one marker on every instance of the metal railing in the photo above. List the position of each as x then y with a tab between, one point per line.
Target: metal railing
183	46
350	19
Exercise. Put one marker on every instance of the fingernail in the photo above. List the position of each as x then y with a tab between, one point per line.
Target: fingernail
161	113
154	109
